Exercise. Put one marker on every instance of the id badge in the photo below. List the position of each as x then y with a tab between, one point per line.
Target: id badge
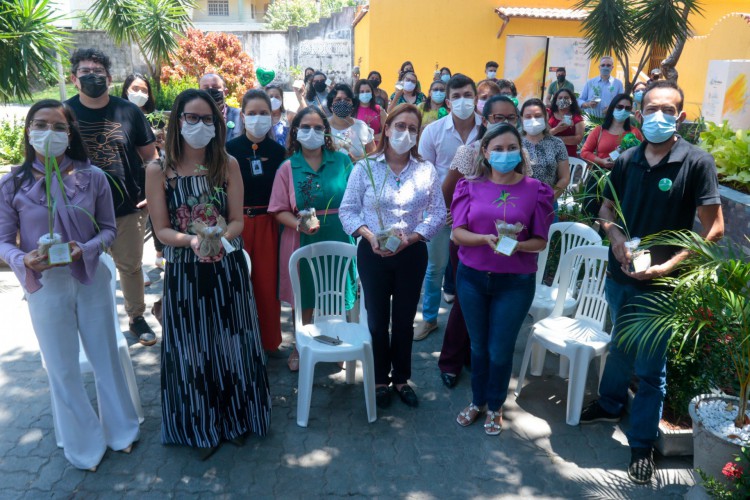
506	246
257	166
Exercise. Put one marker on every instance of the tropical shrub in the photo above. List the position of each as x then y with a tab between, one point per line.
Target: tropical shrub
200	53
731	151
171	88
11	142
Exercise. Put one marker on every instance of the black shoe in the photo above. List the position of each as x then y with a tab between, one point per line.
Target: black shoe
449	380
139	327
206	453
594	413
383	396
408	396
641	468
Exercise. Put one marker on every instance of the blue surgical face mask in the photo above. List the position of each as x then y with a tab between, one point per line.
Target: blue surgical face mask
504	161
365	97
438	96
638	96
605	70
621	115
445	78
658	127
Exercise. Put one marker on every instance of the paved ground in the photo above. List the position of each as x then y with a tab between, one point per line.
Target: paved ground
406	453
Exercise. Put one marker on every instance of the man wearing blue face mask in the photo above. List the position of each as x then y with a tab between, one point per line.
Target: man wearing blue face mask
661	185
598	92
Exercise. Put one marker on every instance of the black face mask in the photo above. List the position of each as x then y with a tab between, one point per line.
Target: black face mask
561	78
93	85
319	87
375	83
217	96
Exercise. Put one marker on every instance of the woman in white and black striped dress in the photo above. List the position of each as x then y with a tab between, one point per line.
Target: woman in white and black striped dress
213	376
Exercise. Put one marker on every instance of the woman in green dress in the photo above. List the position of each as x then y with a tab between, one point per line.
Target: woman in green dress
314	176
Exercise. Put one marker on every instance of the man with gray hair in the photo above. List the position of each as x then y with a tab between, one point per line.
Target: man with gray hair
216	86
598	92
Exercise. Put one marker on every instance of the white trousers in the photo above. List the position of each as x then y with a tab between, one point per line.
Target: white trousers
59	311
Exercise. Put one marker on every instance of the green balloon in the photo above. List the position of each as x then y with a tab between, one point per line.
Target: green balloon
665	184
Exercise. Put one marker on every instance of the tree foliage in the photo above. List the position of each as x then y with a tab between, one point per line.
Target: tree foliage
29	42
622	27
282	14
200	53
155	26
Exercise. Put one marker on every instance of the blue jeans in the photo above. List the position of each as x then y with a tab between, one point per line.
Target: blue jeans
494	306
437	261
650	366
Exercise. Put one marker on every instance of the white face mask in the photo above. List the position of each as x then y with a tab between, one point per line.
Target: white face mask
275	103
258	125
401	142
462	108
198	135
534	126
137	98
409	86
311	139
48	143
491	74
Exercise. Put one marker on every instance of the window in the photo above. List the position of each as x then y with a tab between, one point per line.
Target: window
218	7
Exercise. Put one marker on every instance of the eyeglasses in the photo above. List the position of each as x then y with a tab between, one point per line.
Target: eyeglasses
193	118
41	125
402	127
502	118
88	71
317	128
620	107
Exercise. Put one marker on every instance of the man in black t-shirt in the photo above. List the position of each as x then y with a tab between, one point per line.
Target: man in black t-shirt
660	185
118	140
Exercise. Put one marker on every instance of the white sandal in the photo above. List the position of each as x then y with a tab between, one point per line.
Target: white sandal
492	428
466	415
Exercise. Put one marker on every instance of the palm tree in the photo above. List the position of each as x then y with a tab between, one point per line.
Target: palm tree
155	26
29	42
620	27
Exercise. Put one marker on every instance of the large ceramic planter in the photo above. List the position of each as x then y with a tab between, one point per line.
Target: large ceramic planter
711	452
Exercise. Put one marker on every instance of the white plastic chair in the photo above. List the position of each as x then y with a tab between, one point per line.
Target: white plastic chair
577	167
329	263
582	337
123	351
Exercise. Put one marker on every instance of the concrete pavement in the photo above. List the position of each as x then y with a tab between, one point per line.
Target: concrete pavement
407	453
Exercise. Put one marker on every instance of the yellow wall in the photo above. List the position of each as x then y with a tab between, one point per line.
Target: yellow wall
713	10
460	34
362	45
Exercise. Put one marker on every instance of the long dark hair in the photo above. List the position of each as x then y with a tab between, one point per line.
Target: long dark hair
488	109
357	102
294	144
275	86
150	105
76	147
574	108
485	168
311	94
610	116
427	103
216	159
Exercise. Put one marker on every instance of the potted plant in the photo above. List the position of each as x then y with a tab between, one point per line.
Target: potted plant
709	301
50	244
736	478
308	219
507	233
388	238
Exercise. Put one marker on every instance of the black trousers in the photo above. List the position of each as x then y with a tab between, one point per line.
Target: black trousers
392	287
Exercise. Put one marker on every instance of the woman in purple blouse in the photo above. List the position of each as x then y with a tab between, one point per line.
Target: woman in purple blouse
68	300
496	276
394	189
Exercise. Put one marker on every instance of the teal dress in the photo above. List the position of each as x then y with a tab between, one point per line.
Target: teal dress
323	191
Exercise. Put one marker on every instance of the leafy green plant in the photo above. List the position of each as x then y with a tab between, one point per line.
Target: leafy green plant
731	151
11	142
737	474
166	95
282	14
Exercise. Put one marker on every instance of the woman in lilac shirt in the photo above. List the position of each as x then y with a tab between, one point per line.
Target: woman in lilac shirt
68	300
496	289
394	189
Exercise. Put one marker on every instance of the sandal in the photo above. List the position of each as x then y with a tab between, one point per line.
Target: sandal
492	428
469	415
293	361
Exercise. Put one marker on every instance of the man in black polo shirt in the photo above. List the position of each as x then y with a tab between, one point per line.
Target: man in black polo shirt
660	185
118	140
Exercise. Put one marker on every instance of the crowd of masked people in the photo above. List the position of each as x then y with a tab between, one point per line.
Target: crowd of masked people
435	163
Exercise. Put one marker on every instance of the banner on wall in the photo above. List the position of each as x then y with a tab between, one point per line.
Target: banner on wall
531	62
570	53
727	95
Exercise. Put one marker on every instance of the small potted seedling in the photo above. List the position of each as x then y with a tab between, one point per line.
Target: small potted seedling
50	245
507	233
308	219
209	224
388	238
641	259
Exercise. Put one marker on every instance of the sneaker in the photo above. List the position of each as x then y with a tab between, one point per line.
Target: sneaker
595	413
449	297
146	335
146	278
641	468
159	262
423	330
